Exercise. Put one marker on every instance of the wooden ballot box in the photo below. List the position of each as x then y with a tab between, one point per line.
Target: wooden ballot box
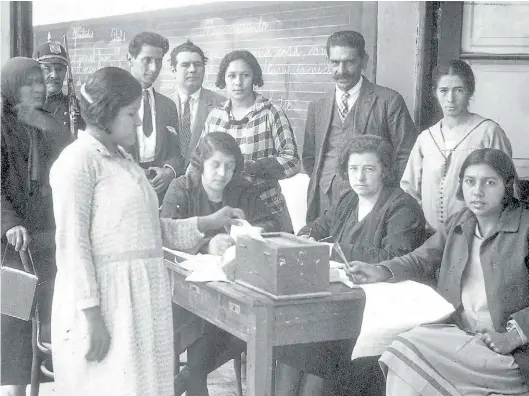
282	266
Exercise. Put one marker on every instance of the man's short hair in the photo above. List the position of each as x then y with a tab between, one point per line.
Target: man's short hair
147	38
188	46
347	38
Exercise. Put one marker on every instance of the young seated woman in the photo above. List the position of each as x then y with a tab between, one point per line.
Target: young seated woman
218	186
480	259
374	221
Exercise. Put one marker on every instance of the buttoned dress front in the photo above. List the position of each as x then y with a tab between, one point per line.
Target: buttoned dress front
432	172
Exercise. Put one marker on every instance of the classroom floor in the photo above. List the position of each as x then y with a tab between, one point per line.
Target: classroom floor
220	383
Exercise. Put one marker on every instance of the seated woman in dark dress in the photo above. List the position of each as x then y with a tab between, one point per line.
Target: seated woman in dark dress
480	259
218	185
374	221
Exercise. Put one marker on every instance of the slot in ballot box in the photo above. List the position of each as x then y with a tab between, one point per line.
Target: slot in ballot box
282	265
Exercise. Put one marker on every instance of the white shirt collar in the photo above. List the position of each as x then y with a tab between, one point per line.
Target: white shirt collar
353	92
150	90
195	95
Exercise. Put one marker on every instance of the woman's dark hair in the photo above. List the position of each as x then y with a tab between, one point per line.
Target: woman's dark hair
242	55
455	67
147	38
105	93
223	142
497	160
369	144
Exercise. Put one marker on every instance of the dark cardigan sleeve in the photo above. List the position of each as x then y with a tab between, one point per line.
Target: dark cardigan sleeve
404	230
10	218
321	227
177	205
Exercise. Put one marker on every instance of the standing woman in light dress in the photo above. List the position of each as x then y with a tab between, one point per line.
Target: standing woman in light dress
431	175
112	328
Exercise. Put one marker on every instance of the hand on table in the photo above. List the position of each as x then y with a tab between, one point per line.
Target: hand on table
219	244
361	273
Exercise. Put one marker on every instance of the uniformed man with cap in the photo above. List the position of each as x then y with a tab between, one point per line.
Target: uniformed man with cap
53	60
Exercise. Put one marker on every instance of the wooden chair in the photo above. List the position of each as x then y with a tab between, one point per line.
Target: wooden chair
41	360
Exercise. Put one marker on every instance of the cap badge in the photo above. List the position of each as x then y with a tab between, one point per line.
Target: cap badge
55	48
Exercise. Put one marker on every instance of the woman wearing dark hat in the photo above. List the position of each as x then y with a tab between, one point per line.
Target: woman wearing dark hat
27	214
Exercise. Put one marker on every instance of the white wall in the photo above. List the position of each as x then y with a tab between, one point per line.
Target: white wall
397	50
5	32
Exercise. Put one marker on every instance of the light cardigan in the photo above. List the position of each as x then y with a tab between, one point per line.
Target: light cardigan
433	180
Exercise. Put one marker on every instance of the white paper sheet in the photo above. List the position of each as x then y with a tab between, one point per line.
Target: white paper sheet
393	308
247	229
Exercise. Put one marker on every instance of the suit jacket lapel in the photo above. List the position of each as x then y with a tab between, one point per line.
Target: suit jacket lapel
364	104
204	107
160	121
323	126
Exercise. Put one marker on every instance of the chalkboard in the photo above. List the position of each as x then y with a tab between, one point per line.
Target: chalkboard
288	39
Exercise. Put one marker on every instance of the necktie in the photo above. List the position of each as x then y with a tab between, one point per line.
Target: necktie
344	106
147	115
185	133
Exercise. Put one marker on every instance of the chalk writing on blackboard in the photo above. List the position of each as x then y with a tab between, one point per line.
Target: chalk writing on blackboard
80	32
217	27
117	36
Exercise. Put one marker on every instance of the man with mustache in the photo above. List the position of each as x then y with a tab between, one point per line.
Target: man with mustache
53	62
157	147
193	101
355	107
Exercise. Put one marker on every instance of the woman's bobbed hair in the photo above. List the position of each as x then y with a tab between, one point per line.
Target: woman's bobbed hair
105	92
245	56
223	142
369	144
497	160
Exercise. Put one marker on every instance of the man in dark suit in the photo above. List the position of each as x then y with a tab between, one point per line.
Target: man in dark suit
355	107
193	102
157	148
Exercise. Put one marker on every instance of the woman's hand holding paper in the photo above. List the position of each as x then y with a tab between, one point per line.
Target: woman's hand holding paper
222	217
219	244
361	273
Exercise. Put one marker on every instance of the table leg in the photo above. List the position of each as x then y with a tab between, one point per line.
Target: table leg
259	358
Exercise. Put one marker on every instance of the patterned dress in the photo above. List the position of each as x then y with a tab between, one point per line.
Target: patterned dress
109	254
265	136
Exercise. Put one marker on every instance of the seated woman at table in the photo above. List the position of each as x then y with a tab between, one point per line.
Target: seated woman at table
218	185
480	259
372	222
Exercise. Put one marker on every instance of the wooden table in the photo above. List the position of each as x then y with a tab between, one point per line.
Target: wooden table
265	323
